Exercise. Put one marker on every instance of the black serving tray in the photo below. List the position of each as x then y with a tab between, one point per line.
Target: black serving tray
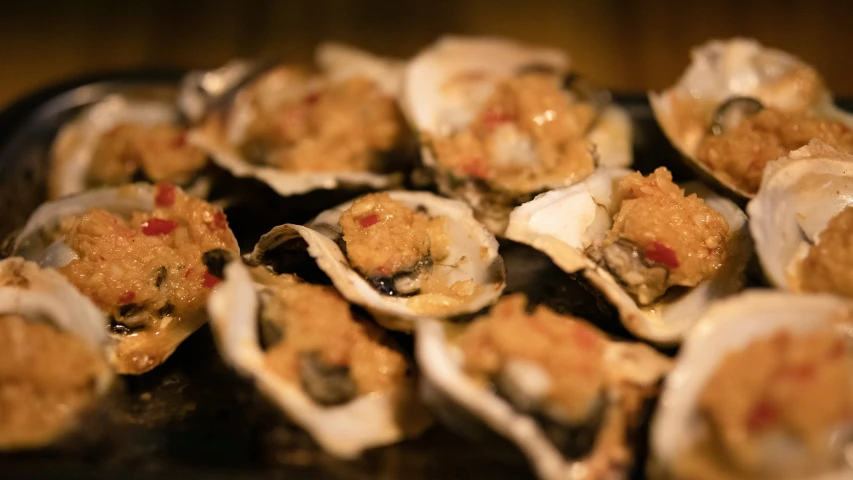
192	417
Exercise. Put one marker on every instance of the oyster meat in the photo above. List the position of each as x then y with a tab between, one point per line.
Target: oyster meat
401	255
333	373
53	356
120	140
500	122
762	388
299	131
136	251
554	385
740	104
659	252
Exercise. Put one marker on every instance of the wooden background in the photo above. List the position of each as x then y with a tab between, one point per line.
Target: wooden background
628	46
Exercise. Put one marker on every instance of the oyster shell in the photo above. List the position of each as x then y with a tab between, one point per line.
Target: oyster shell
446	84
138	348
222	131
730	326
46	296
799	195
723	84
570	224
343	425
519	407
77	143
472	261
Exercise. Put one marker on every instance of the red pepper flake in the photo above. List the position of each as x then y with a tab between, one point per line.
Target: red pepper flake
180	141
165	195
799	373
209	280
762	415
101	257
476	167
493	117
189	271
660	253
369	221
126	297
220	222
158	226
312	98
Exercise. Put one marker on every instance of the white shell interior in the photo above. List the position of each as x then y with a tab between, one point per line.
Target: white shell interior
473	255
565	223
729	325
338	63
344	431
77	141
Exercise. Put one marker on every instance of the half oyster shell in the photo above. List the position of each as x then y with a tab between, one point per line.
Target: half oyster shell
682	436
799	197
29	298
152	124
227	132
447	92
728	81
570	225
325	400
148	321
469	276
520	401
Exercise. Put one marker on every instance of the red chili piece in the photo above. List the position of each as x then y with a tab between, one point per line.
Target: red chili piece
219	220
475	167
158	226
492	117
762	415
209	280
368	221
126	297
165	196
312	98
660	253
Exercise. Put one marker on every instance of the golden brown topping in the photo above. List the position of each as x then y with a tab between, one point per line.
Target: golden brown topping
47	378
680	232
316	320
829	264
304	126
783	384
528	130
742	153
567	349
384	237
147	267
160	151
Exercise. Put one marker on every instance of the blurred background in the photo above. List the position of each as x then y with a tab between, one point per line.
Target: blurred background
625	45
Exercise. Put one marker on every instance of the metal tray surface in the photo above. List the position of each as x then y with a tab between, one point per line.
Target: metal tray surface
193	417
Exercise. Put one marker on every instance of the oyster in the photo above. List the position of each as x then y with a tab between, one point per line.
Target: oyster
136	251
762	388
554	385
53	355
501	121
800	220
330	372
740	104
659	256
120	139
299	132
402	255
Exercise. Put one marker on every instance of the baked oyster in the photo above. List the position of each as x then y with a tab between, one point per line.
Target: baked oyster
53	356
660	253
401	255
802	220
120	140
299	131
500	121
762	389
332	372
136	252
740	104
557	387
